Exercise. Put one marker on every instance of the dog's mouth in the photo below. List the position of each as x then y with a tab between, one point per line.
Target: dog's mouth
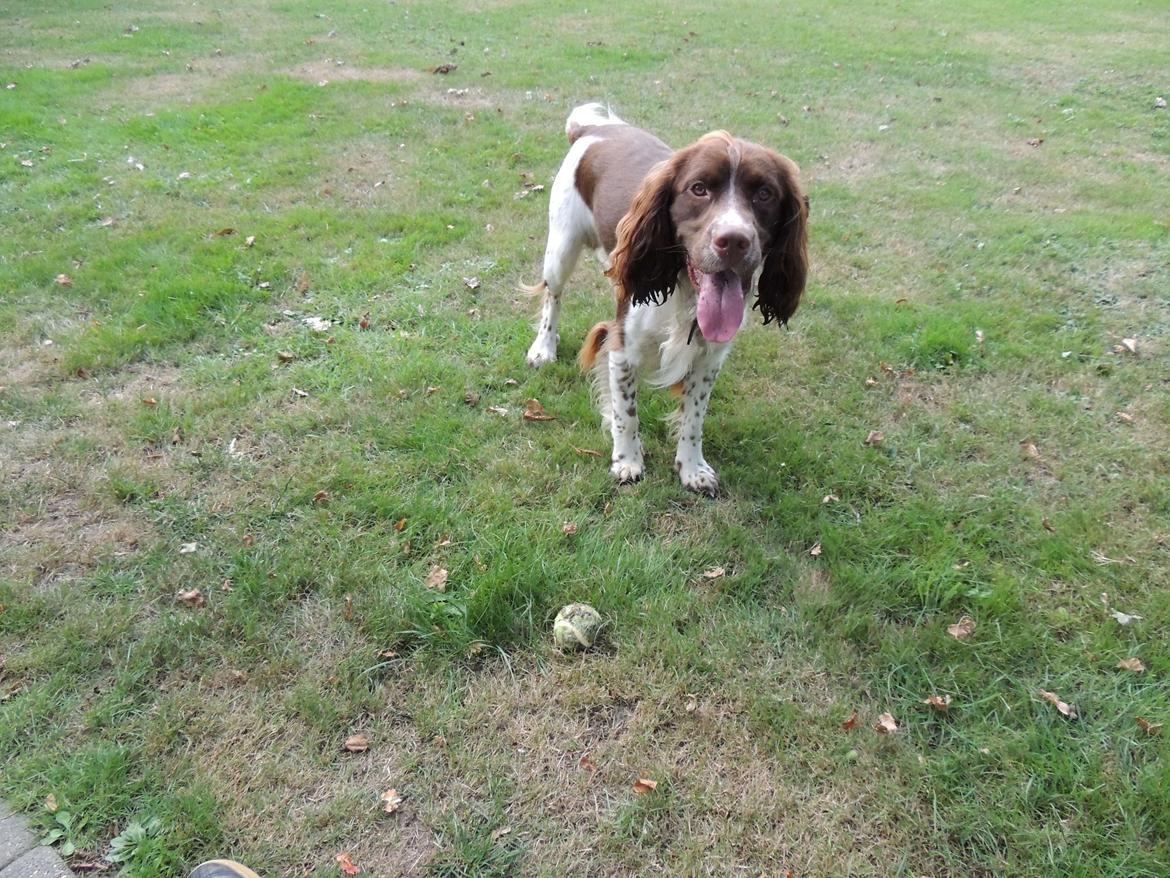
721	302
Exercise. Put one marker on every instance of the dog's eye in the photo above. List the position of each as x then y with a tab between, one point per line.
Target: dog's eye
764	195
699	189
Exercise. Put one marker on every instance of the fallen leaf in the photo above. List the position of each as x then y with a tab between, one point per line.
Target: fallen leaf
188	548
223	233
886	724
829	498
444	68
191	597
569	528
472	283
714	573
356	744
347	608
871	382
437	579
1160	103
321	498
348	866
497	834
443	541
962	629
1028	447
1131	664
250	240
51	803
534	411
1124	618
1125	417
1148	727
587	451
941	703
64	280
285	356
875	437
390	801
300	394
387	653
150	402
511	382
364	323
587	764
815	551
1130	344
1064	708
644	785
400	525
500	410
1035	142
851	722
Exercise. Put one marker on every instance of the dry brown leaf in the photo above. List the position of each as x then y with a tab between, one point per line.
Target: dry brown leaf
51	803
1148	727
443	542
390	801
1064	708
586	451
356	744
321	497
875	437
472	283
1035	142
887	368
644	785
962	629
500	410
569	528
1132	664
1129	344
64	280
587	764
1029	449
497	834
714	573
191	597
400	525
829	498
851	722
871	382
886	724
437	579
285	356
815	551
223	233
347	608
445	68
347	865
250	240
534	411
364	323
1125	417
149	402
941	703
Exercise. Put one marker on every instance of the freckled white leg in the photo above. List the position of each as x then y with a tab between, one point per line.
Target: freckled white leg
693	470
626	462
559	260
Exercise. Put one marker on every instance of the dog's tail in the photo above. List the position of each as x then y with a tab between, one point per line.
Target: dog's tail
594	343
532	289
589	116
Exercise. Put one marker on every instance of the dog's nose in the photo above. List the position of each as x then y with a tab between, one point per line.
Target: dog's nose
731	243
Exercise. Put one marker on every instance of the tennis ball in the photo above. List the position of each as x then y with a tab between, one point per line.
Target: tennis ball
576	627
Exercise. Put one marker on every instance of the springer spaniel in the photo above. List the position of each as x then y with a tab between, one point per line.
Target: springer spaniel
682	234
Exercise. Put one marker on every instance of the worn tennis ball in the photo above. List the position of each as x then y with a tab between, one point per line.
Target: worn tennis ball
576	627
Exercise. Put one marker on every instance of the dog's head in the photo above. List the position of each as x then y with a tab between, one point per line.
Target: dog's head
720	209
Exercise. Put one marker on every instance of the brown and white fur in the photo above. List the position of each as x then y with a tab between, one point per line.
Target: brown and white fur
682	235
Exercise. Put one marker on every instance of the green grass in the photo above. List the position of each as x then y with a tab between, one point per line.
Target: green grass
163	412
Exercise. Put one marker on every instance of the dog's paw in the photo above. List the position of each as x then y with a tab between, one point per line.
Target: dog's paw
698	478
543	350
628	471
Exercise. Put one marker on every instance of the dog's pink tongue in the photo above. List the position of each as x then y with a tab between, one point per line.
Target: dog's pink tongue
721	303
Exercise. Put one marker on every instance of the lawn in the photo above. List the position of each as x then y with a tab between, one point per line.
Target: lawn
222	520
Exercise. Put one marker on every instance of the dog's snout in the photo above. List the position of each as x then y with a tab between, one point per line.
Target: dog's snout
731	243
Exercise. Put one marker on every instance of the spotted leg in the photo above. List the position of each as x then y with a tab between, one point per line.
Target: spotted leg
626	462
695	473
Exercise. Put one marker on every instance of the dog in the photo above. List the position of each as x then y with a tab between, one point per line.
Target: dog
681	234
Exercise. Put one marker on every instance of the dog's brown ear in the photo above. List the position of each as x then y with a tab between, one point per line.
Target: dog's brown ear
785	268
647	260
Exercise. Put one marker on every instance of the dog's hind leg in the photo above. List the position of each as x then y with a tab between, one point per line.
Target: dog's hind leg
570	229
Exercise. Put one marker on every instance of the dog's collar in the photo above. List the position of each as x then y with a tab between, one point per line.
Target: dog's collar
694	326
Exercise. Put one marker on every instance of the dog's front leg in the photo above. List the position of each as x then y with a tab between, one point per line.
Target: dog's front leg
626	462
695	473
